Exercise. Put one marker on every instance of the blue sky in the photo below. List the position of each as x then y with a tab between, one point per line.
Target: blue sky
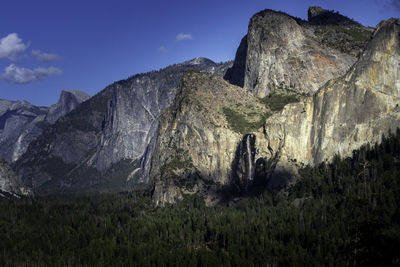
47	46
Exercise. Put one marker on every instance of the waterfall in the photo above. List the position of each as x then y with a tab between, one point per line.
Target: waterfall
243	166
249	160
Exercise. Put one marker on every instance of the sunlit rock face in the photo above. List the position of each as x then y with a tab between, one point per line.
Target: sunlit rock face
344	114
22	122
280	51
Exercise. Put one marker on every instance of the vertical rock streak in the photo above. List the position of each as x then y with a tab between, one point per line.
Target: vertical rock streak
249	159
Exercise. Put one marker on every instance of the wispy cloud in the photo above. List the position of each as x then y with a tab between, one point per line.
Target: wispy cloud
162	49
11	46
183	36
45	57
21	75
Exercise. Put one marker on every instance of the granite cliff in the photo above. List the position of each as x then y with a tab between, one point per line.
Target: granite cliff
283	51
355	109
199	136
201	150
107	142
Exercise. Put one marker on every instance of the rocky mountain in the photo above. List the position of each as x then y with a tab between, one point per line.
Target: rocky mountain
68	101
21	122
199	136
107	142
280	51
355	109
199	150
10	184
291	98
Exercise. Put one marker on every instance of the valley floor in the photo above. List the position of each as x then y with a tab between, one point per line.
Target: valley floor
343	214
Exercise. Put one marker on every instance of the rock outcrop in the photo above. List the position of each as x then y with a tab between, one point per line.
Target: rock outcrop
201	136
69	100
280	51
107	142
346	113
10	184
201	147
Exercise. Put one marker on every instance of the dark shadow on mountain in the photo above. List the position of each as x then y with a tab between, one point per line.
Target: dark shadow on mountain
235	74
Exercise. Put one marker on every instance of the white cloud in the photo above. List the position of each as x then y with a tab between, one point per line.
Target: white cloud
16	74
11	46
45	57
162	49
183	36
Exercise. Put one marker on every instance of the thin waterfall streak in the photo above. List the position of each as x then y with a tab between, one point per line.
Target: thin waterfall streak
249	163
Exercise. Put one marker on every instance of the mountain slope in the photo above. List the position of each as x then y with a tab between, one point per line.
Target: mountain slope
199	136
107	142
346	113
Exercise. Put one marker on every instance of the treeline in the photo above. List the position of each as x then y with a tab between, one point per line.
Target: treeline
340	214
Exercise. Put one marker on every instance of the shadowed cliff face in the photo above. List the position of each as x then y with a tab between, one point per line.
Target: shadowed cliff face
107	143
281	51
346	113
243	166
235	75
21	122
320	16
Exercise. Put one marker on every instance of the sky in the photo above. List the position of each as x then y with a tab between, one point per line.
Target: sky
47	46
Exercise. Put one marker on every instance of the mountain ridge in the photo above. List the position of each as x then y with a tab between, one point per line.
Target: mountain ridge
144	132
92	132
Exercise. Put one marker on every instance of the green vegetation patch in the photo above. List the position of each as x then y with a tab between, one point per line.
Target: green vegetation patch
356	33
180	161
348	40
244	122
276	102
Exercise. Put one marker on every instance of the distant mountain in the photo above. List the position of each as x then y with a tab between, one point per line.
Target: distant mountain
22	122
68	101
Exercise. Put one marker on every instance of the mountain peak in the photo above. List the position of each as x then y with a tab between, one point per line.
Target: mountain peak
320	16
69	100
199	61
78	94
